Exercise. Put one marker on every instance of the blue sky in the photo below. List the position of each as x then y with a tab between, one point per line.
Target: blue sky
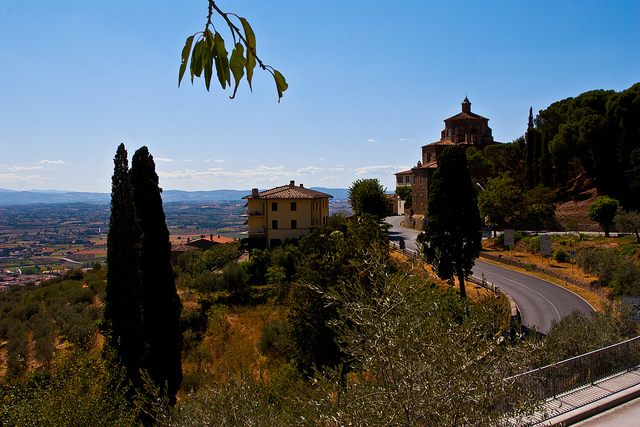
370	82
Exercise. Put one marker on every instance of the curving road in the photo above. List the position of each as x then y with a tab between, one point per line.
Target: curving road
540	302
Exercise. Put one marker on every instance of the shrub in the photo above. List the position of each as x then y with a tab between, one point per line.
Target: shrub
560	255
626	277
533	244
274	340
207	281
234	279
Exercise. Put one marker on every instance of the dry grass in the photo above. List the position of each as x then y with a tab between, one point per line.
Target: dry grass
473	291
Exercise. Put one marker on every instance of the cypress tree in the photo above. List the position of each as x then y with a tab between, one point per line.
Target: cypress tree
123	306
453	226
161	303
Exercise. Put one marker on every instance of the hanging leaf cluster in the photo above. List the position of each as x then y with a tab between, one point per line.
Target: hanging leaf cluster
209	51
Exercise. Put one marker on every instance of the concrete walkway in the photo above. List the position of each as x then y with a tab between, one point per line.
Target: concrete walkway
585	402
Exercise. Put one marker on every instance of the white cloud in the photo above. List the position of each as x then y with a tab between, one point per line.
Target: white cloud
214	160
310	169
330	178
57	162
261	173
336	168
322	158
405	140
186	160
163	159
378	168
372	140
24	168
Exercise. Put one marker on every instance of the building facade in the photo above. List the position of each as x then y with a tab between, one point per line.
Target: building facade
286	212
465	129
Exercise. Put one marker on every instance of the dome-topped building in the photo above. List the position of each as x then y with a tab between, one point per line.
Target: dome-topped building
465	129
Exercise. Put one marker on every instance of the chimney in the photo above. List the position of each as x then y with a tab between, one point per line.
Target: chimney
254	191
301	186
292	183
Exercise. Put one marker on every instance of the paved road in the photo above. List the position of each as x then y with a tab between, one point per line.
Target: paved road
540	302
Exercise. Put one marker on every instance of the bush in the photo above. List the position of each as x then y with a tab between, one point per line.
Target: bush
84	391
274	340
620	272
533	244
206	282
625	279
234	279
560	255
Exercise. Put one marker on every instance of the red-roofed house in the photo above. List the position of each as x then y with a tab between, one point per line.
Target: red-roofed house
285	212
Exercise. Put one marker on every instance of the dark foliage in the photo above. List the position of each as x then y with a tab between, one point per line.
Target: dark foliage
123	305
452	237
160	303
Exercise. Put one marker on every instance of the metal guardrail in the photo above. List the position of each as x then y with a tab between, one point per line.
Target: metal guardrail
414	256
579	371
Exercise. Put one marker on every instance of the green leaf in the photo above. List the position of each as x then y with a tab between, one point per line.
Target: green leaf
208	52
196	59
250	64
222	62
236	63
281	83
186	50
249	36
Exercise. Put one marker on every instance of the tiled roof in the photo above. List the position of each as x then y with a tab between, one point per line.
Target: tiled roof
404	173
222	239
462	116
430	165
289	191
446	141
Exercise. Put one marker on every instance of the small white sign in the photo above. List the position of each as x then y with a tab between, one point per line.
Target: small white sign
572	254
545	245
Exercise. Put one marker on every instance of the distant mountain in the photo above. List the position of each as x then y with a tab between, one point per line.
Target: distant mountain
11	197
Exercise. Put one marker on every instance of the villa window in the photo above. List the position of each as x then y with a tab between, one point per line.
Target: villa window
293	206
274	206
274	224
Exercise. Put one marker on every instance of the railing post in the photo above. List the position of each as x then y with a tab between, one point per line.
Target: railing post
591	367
553	382
626	354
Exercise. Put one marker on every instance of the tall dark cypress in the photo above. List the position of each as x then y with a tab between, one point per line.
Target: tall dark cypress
161	304
453	228
123	302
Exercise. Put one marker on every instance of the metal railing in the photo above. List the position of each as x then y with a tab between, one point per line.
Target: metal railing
416	257
579	371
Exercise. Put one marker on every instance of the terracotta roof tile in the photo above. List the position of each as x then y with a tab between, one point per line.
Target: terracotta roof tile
462	116
446	141
403	172
430	165
289	192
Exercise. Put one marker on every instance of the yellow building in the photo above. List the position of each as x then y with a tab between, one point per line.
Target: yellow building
285	212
